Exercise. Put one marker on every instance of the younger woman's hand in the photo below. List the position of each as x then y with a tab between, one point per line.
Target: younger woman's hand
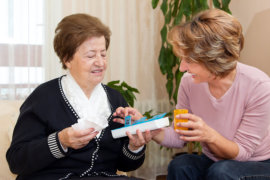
198	129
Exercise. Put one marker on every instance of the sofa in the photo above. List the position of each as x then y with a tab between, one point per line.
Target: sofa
9	111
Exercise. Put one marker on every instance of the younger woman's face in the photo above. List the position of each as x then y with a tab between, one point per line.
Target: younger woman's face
197	70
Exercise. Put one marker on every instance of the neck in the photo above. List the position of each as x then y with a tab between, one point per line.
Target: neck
86	87
219	86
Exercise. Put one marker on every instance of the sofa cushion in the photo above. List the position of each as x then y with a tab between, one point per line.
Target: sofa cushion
9	111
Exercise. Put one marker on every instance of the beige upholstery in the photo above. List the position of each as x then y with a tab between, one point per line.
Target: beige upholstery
9	111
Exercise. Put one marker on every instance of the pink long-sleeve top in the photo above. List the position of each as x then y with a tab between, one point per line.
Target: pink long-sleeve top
242	114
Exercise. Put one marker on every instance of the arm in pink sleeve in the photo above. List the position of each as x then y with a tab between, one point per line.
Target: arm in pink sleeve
171	139
255	122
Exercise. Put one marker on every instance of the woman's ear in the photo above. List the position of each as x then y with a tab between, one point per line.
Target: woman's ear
67	63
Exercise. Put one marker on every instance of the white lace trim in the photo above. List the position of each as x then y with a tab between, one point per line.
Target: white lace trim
93	112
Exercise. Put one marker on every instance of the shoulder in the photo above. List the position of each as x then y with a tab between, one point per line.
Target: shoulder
251	74
186	76
252	79
47	87
44	92
253	82
186	79
111	91
187	83
115	97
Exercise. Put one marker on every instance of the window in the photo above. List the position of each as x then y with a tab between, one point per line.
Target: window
21	41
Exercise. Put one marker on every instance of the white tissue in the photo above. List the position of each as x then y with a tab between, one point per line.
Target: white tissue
86	124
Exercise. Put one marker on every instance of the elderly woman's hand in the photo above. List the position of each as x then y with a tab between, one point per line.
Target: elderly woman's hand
75	139
127	111
140	139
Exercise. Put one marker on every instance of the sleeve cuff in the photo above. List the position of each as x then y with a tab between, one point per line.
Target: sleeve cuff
54	146
132	155
241	151
171	139
136	151
64	149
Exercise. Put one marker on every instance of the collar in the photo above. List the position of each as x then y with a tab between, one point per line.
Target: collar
93	112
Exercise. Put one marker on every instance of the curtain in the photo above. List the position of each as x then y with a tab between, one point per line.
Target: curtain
21	41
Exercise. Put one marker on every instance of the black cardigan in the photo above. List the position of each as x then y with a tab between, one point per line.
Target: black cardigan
35	151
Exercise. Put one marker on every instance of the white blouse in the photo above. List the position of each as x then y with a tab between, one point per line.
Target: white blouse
93	112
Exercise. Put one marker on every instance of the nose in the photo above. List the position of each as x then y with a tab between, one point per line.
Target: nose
100	60
183	66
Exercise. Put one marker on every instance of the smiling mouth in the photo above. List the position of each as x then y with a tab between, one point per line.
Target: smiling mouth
192	74
97	71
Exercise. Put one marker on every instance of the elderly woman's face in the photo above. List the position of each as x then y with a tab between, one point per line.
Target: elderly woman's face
89	62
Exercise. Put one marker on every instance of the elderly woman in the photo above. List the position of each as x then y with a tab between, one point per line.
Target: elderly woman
64	127
229	103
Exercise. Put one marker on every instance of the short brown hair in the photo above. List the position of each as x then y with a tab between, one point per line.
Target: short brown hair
213	38
73	30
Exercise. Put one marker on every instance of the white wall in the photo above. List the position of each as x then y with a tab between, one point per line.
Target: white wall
255	19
